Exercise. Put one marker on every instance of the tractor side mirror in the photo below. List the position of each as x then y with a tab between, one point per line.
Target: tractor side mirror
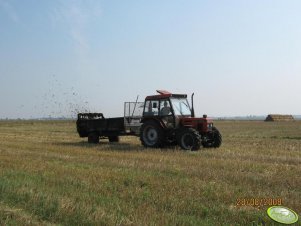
155	105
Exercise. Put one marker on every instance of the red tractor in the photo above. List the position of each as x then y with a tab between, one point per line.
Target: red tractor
164	119
168	119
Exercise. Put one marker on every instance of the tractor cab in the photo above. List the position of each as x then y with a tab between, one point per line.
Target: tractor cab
166	116
172	111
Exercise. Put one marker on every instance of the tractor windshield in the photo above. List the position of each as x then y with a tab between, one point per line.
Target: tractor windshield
180	106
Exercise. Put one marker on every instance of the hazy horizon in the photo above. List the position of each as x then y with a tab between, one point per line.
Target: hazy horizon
59	57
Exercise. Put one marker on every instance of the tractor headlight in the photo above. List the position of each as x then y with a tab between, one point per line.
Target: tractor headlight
209	126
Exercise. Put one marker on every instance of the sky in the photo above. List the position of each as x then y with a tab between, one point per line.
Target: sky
59	57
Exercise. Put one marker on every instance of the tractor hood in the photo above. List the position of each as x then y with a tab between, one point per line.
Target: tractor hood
201	124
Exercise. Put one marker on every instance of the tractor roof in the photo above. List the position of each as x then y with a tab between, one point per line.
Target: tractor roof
164	94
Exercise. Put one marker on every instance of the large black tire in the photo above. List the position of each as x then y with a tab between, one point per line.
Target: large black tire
93	138
151	134
113	138
214	139
189	139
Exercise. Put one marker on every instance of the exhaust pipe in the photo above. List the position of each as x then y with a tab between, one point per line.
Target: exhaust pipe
192	107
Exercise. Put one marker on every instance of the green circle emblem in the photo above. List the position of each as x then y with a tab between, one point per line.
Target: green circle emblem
282	214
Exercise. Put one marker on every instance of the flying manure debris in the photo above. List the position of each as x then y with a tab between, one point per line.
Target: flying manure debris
59	102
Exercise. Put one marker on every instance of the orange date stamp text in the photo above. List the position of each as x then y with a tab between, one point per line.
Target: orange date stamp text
258	202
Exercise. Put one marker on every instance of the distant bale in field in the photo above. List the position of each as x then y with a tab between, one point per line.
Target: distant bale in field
279	118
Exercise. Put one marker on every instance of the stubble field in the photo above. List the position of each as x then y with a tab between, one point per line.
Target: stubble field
50	176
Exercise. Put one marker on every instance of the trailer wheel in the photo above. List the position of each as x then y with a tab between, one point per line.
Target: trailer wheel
214	139
93	138
151	134
189	139
113	138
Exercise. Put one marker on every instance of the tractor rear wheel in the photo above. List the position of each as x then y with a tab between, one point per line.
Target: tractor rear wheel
214	139
113	138
93	138
189	139
151	134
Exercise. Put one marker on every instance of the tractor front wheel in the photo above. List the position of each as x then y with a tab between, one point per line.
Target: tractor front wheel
214	140
189	139
151	134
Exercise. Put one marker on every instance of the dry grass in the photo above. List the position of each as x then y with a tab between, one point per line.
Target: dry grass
50	176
